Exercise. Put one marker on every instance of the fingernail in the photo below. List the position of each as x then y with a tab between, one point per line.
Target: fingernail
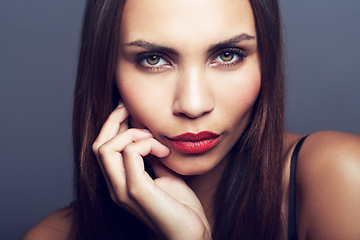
146	130
121	104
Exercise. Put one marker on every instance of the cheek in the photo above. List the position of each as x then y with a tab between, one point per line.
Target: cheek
135	103
239	96
136	108
142	99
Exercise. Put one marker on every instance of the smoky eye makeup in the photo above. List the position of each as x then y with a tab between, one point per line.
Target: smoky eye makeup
153	61
157	62
228	57
225	57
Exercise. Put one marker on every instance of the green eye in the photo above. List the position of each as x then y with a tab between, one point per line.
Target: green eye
152	60
227	56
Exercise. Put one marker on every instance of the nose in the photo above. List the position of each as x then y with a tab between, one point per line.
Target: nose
193	96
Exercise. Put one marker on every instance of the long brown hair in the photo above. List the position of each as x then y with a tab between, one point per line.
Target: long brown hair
250	202
250	193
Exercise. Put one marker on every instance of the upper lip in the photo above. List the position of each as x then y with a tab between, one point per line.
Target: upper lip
195	137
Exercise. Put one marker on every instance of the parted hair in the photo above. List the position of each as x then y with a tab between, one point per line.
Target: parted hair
249	196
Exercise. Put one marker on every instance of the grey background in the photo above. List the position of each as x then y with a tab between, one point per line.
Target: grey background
38	50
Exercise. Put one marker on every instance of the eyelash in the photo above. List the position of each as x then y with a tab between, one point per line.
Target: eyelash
143	56
239	55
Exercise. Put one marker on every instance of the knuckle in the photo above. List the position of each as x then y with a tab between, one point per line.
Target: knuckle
95	147
129	149
103	150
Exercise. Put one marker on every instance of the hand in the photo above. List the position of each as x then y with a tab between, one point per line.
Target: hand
166	205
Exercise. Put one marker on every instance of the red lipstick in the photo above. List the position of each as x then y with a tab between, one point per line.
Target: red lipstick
195	142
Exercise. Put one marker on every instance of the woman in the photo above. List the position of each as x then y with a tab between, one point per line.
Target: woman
194	146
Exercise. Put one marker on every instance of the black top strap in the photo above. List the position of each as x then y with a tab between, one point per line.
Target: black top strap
292	192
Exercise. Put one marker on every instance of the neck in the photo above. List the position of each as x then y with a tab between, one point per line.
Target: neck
205	186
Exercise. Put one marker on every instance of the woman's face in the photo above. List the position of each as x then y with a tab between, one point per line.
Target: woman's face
189	67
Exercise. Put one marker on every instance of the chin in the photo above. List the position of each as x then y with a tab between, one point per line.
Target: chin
191	172
190	165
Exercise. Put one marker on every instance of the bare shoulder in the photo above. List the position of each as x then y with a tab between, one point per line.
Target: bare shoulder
328	186
56	226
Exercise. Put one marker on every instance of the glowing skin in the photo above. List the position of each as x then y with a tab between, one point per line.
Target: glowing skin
189	66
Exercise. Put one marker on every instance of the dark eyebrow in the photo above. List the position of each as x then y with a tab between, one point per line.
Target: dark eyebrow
157	48
237	39
151	46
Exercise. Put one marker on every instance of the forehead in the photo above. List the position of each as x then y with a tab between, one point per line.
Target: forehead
186	22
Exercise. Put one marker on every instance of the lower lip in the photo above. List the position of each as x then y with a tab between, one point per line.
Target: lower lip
195	146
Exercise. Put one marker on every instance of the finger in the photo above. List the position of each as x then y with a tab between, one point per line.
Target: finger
133	160
117	120
113	123
114	172
161	207
141	186
109	153
119	194
111	161
121	140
